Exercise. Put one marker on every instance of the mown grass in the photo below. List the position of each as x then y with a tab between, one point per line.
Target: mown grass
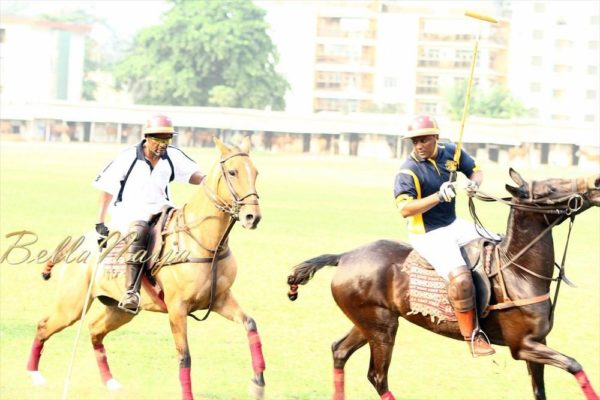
311	205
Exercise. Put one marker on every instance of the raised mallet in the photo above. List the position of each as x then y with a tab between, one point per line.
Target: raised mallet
455	164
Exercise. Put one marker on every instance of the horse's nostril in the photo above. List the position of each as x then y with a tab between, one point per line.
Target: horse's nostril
249	217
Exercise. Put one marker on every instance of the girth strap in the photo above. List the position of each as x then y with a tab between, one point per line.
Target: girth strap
520	302
206	260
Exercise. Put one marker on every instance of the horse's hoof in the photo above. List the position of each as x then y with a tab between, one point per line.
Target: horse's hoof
37	379
257	391
113	385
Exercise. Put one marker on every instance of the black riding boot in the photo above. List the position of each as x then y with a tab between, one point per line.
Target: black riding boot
133	280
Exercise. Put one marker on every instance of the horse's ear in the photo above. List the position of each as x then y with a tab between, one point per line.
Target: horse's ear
222	146
514	191
246	145
516	177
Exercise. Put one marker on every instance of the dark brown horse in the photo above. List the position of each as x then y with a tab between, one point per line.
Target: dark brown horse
371	286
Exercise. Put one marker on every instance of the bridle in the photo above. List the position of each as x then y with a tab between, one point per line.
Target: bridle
565	207
232	209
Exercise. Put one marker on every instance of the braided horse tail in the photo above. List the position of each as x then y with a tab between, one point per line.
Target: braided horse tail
304	271
47	268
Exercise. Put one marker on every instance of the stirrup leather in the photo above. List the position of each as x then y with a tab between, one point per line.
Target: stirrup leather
127	295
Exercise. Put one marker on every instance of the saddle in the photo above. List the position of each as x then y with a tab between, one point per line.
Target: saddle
428	291
114	262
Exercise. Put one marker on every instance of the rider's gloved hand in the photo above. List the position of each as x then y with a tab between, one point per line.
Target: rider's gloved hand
102	232
471	188
446	192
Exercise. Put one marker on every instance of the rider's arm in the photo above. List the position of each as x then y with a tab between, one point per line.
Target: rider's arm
105	199
477	177
419	206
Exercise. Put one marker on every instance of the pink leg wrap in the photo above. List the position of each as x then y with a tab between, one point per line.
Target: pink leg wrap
186	383
34	355
258	361
338	384
102	361
388	396
586	386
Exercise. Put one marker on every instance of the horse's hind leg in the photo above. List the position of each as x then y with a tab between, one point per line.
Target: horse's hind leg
380	332
229	308
342	350
67	311
536	370
106	320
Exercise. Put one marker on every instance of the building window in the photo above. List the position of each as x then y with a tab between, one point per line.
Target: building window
560	117
536	60
535	87
593	45
561	68
590	94
592	69
594	20
538	34
390	82
428	108
563	44
2	35
590	118
538	7
558	93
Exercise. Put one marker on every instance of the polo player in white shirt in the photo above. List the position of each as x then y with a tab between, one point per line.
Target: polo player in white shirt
135	186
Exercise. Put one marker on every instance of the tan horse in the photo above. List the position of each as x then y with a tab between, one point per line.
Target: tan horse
227	194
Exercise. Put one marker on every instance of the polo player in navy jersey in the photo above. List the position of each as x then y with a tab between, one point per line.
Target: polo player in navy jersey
426	198
135	186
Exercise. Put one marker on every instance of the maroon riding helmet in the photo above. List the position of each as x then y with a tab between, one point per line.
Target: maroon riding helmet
159	124
422	125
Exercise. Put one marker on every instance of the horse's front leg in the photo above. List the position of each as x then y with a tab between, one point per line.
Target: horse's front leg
178	321
229	308
536	352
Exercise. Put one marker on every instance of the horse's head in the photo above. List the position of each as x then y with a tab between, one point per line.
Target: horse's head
572	195
231	184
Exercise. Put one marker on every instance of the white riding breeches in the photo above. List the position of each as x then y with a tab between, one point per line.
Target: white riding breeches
441	247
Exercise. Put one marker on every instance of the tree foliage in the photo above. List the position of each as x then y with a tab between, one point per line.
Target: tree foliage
205	53
494	103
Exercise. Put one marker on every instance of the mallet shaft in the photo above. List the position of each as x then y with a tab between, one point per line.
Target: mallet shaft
481	17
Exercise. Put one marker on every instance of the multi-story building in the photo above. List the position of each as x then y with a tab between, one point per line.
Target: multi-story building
554	59
403	56
41	60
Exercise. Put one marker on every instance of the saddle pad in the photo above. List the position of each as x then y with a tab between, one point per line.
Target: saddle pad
113	263
428	295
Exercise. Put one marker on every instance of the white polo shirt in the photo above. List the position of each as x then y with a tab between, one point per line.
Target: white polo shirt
138	189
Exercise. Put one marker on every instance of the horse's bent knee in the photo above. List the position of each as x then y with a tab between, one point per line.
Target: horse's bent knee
250	324
185	361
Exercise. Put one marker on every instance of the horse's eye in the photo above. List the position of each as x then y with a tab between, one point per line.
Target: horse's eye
232	172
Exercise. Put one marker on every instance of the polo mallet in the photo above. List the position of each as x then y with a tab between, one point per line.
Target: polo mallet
454	165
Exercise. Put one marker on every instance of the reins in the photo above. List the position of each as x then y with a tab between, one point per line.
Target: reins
546	207
221	251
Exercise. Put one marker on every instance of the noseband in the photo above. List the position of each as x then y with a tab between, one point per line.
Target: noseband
232	209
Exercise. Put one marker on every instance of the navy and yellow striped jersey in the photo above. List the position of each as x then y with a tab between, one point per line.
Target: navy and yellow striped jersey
418	179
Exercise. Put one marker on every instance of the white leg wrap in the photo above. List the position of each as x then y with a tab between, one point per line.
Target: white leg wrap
113	385
37	379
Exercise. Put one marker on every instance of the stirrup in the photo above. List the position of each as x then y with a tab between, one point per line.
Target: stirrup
479	332
121	304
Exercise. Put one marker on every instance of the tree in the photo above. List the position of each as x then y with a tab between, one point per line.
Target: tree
205	53
494	103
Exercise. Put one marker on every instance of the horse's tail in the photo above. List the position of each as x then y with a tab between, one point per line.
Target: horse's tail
304	271
47	269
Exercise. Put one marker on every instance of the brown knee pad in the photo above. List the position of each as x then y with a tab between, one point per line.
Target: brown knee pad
461	292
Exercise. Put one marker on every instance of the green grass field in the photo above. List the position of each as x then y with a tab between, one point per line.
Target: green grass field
311	205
